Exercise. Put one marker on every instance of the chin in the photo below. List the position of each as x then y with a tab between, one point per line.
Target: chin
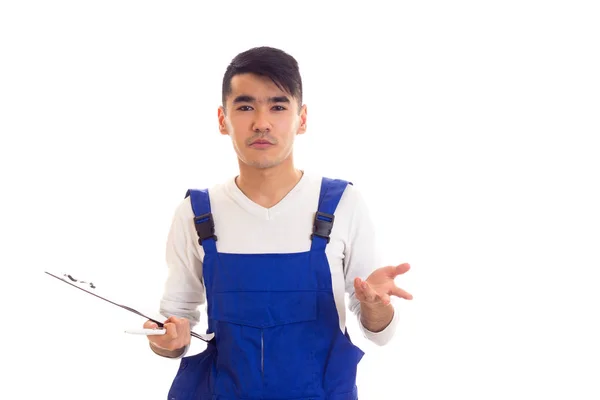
263	164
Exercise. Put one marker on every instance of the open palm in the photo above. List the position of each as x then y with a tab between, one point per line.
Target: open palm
380	285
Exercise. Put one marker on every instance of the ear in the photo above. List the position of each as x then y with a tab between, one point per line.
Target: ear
222	123
302	127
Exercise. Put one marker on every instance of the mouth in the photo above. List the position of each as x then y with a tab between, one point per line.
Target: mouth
261	144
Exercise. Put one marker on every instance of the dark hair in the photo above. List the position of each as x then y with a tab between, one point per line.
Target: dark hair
273	63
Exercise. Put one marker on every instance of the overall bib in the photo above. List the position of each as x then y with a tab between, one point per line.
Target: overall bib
276	326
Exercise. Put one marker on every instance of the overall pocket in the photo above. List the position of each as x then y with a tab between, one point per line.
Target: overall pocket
193	378
341	367
265	343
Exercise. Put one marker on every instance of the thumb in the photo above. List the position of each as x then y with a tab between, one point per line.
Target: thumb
150	325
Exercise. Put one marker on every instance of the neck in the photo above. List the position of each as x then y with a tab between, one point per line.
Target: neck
268	186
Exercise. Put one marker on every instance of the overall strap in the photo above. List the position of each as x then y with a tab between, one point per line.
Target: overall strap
331	193
203	219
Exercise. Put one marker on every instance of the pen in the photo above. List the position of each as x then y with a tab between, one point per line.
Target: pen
146	331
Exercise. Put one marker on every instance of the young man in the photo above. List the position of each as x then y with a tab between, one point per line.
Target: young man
272	253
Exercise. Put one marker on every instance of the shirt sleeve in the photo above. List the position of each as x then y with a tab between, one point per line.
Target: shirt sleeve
361	257
184	287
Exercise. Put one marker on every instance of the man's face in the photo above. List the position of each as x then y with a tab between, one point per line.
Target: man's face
262	121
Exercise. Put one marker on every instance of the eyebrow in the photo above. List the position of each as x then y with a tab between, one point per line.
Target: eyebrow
250	99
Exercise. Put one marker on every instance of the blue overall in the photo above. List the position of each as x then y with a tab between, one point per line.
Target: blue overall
276	326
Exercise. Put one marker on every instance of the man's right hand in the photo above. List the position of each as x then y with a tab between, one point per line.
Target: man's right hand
173	342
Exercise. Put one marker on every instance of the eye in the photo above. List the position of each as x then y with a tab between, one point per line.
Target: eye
245	108
278	108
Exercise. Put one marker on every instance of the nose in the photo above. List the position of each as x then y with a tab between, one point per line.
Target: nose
261	122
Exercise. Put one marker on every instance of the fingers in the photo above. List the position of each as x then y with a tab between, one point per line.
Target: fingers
150	325
181	326
393	271
402	268
177	334
364	292
396	291
171	330
397	270
385	299
358	290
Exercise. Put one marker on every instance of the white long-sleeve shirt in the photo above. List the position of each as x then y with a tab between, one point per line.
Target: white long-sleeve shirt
243	226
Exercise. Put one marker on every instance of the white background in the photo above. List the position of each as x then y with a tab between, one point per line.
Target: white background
471	127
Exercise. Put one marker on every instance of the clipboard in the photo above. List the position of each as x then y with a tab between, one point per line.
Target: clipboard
204	337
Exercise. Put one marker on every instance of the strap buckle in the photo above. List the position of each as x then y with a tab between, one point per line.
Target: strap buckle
322	226
205	227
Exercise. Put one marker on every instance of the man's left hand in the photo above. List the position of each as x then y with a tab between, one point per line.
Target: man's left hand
380	285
